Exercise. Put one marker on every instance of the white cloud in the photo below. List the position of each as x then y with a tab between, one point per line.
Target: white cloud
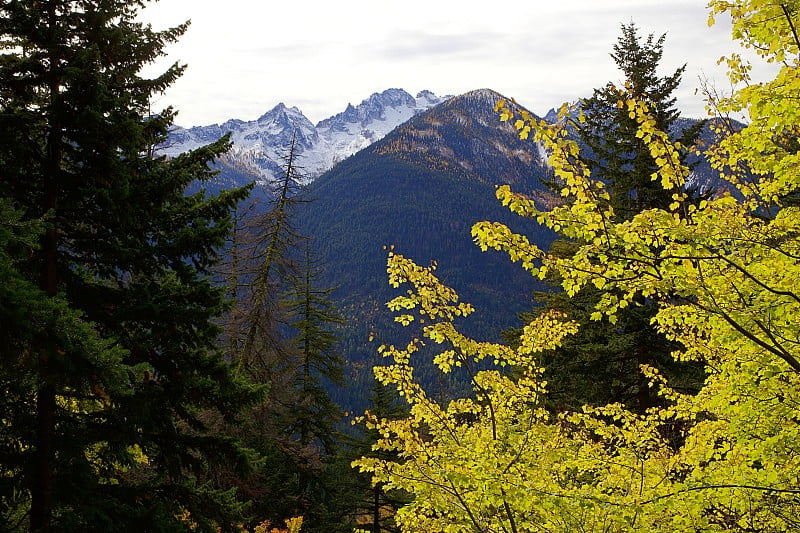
244	57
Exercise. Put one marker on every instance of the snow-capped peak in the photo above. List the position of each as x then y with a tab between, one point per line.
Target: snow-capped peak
262	141
358	127
427	98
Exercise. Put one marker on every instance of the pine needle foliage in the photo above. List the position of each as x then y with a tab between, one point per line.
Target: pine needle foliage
104	384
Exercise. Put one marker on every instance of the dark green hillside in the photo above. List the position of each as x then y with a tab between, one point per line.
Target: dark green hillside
420	190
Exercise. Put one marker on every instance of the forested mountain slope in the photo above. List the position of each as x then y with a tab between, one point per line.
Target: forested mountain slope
420	189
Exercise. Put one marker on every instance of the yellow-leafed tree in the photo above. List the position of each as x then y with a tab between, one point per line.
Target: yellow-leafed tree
726	274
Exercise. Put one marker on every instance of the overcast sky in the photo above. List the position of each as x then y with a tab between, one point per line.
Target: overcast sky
246	56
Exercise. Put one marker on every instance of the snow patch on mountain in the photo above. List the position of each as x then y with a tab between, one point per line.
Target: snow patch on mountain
261	143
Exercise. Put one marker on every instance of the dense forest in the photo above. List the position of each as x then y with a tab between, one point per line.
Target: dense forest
172	357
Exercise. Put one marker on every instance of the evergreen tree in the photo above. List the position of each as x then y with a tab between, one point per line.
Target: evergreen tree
104	384
312	316
601	363
313	415
374	504
615	154
261	264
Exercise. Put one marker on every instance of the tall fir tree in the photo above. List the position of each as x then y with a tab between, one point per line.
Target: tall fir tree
601	363
313	416
615	153
313	317
261	263
100	431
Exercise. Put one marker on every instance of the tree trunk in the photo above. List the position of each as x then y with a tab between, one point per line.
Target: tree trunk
42	483
376	509
42	469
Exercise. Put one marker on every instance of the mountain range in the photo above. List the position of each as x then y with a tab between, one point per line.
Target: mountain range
258	145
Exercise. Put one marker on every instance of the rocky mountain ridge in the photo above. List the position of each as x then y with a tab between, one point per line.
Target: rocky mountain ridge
259	144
